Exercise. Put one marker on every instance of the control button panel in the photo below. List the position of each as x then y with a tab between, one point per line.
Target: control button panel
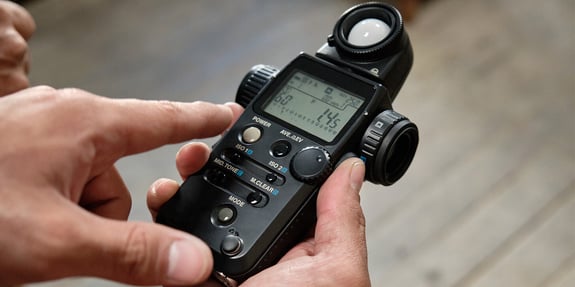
250	168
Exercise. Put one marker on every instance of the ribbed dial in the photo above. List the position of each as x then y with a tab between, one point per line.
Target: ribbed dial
388	146
254	81
311	164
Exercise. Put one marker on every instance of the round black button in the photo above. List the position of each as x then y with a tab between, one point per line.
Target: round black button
311	164
236	158
280	148
257	199
216	176
271	177
231	245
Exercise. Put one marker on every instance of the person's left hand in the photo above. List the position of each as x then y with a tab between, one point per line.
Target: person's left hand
62	201
16	27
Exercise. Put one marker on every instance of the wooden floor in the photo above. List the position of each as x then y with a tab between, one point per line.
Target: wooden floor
489	200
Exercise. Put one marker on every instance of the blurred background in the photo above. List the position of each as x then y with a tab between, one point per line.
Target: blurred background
490	197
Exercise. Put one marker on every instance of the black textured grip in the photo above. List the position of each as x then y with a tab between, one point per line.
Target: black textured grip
388	146
252	84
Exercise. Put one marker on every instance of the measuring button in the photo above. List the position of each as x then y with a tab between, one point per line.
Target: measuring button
251	134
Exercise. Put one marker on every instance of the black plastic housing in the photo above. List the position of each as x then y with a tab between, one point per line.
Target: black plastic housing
256	196
267	232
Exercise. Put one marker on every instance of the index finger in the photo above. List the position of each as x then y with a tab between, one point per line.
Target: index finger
128	126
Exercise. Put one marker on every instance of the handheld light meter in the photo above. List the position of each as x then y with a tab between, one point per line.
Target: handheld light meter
255	198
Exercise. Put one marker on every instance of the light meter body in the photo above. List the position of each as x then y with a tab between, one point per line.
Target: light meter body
255	198
262	177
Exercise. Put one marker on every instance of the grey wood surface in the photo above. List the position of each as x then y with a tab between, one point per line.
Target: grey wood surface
490	197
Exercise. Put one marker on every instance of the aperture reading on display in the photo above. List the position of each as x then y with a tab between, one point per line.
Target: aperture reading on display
314	106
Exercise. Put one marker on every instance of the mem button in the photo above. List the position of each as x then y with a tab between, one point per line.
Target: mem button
251	134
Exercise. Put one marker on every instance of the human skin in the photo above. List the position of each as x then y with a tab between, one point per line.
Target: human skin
63	204
336	255
16	28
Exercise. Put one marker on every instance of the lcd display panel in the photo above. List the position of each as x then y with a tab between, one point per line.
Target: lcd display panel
313	105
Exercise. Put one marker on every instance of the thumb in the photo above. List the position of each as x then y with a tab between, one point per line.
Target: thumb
142	253
340	219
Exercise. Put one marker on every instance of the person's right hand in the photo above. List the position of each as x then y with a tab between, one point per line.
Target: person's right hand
337	253
16	27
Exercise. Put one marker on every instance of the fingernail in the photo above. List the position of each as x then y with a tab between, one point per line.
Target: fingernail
229	105
157	184
154	190
189	262
357	174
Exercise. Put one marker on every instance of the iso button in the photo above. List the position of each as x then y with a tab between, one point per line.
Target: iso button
251	134
311	164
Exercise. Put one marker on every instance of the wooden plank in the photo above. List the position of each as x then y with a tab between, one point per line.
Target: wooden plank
564	276
567	281
490	91
480	127
539	255
444	254
467	83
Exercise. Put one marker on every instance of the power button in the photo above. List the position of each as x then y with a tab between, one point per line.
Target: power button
251	135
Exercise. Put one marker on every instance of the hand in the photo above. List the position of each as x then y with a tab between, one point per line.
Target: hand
61	199
16	27
335	256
